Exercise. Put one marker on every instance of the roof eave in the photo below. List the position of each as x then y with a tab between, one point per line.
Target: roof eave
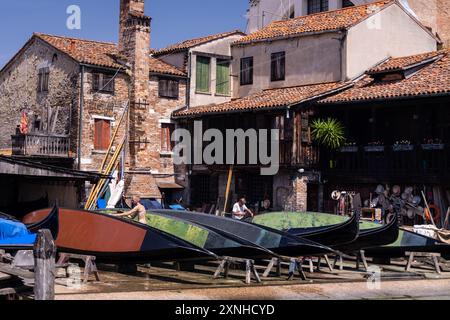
384	99
293	36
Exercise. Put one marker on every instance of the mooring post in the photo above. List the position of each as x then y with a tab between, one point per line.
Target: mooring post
44	266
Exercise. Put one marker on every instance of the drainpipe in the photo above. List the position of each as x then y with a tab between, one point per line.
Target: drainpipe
80	120
188	82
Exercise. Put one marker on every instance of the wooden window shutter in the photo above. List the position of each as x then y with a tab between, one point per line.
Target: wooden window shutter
203	74
102	134
223	77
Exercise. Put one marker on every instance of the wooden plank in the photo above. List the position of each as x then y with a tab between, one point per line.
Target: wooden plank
7	269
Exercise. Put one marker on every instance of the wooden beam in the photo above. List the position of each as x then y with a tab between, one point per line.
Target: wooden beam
44	269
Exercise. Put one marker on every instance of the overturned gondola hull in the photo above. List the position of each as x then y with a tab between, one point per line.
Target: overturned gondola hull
276	241
329	227
218	241
334	235
408	241
111	239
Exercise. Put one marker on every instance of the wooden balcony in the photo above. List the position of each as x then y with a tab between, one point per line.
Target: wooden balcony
40	145
421	163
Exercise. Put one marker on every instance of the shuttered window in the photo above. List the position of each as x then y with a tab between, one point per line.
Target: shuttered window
246	71
102	134
278	66
203	74
168	88
102	82
166	134
316	6
223	77
43	76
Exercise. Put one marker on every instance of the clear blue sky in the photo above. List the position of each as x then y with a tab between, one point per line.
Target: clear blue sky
173	20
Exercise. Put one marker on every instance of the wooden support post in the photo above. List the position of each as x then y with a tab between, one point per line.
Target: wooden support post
44	266
328	262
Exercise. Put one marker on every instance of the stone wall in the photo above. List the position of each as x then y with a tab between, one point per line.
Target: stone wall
101	105
19	92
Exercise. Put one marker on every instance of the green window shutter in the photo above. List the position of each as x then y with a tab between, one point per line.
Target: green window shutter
203	74
223	77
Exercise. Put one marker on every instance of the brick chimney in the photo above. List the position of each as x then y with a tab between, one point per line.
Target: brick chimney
134	44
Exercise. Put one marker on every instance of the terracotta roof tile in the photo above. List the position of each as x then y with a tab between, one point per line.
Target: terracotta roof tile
432	79
161	67
101	54
324	21
84	51
403	63
267	99
195	42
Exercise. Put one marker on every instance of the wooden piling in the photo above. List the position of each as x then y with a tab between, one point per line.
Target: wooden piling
44	266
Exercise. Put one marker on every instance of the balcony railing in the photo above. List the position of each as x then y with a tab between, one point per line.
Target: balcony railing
40	145
389	161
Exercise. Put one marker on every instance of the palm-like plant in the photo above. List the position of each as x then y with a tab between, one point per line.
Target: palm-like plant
329	133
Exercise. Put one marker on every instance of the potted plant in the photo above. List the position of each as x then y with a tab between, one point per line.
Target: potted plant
432	144
349	147
329	133
375	146
404	145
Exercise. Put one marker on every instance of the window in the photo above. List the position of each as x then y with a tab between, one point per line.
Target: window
102	134
43	76
103	82
223	77
278	65
203	74
168	88
347	3
166	134
246	71
315	6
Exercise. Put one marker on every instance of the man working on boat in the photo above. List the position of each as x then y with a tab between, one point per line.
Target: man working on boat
138	210
240	210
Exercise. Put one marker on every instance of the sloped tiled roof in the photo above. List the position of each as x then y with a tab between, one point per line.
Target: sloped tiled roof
267	99
324	21
404	62
84	51
161	67
101	54
432	79
195	42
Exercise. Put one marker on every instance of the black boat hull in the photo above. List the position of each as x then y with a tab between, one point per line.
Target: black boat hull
274	240
113	240
334	236
375	237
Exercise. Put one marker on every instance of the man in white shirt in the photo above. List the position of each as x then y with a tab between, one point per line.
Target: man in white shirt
240	210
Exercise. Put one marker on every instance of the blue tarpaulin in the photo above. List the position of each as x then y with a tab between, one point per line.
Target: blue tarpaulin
15	233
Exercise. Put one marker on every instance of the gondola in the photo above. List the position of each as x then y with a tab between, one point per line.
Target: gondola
408	241
374	237
334	235
220	242
279	242
370	234
111	239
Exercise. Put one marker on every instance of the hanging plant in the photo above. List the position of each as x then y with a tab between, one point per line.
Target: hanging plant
329	133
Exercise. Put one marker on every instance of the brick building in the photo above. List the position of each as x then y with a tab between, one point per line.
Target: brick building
73	92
